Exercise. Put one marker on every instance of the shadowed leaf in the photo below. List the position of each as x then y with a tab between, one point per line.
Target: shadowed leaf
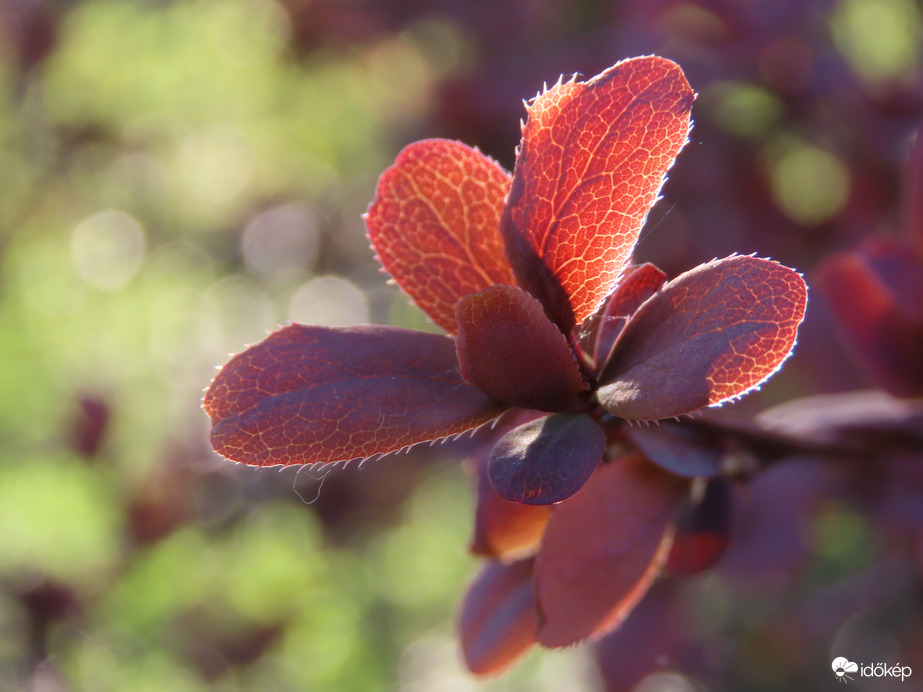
310	394
703	528
602	549
638	284
912	194
684	449
497	623
592	160
710	335
546	460
508	348
434	224
503	530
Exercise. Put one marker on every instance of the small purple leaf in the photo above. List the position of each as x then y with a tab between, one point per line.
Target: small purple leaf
509	349
546	460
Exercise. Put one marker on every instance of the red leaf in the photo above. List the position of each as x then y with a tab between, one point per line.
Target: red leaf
912	194
710	335
876	293
703	529
508	348
681	448
546	460
498	617
434	224
503	530
592	161
638	284
602	549
309	394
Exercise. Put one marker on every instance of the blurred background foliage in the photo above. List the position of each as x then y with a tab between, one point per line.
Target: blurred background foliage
177	177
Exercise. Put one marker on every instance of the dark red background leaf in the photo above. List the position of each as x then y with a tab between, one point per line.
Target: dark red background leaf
310	394
602	549
546	460
592	160
497	623
703	528
435	225
876	293
711	334
508	347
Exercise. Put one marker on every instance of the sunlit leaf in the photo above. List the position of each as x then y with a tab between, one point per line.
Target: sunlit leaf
510	350
497	623
703	528
602	549
434	224
546	460
310	394
592	160
710	335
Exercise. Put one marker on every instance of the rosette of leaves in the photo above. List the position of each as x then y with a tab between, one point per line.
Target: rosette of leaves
549	322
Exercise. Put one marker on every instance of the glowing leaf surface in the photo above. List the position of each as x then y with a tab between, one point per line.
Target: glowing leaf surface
592	161
435	225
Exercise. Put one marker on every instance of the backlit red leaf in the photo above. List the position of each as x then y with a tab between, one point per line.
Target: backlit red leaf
602	549
508	347
503	530
710	335
310	394
434	224
546	460
497	620
592	160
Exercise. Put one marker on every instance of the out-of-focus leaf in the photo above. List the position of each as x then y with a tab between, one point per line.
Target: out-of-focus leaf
638	284
509	349
710	335
434	224
503	530
546	460
645	642
497	623
593	158
876	293
703	529
310	394
602	549
685	450
912	197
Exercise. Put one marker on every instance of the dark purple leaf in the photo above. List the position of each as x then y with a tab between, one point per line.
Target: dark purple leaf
546	460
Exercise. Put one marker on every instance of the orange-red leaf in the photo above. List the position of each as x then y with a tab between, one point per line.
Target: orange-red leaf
434	224
602	549
497	620
592	161
310	394
710	335
703	529
507	346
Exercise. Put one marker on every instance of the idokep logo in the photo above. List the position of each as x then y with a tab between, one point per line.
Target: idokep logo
842	668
